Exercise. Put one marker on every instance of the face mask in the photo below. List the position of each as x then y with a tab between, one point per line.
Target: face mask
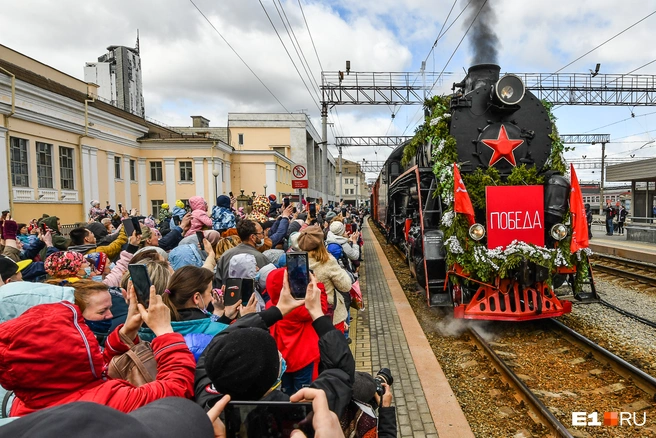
101	327
97	278
204	309
283	368
112	266
260	243
87	272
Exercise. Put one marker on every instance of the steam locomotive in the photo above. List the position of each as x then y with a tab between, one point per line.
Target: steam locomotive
506	260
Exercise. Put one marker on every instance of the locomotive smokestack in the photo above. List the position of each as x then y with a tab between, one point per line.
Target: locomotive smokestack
483	39
481	75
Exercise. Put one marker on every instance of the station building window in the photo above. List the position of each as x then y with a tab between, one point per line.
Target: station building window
156	171
156	206
133	171
44	165
20	176
117	167
240	139
66	170
186	173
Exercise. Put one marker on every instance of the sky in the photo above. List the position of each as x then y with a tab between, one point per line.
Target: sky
188	69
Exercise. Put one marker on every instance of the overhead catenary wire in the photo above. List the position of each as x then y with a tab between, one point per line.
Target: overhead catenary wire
239	56
290	56
310	33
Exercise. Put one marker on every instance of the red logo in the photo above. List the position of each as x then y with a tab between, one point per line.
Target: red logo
611	419
514	213
503	147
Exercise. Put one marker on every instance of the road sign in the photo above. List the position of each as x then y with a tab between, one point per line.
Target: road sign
300	180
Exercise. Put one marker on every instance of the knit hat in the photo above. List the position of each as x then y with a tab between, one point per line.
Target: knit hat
165	206
98	260
149	222
311	238
98	230
244	363
10	230
330	215
94	202
223	201
63	264
179	204
364	387
272	197
212	236
264	274
272	255
337	228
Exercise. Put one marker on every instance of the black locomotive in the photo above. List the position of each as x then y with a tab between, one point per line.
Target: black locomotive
500	135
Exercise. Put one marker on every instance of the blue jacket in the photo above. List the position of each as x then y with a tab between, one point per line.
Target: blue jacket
172	238
185	255
19	296
203	326
278	231
222	218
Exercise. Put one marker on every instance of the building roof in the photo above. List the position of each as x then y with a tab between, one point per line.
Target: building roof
643	170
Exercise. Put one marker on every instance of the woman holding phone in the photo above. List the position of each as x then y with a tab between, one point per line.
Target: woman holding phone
328	272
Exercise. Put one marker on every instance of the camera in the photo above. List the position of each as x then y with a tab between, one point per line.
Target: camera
383	376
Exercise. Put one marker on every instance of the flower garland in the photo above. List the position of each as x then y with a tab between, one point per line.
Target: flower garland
476	259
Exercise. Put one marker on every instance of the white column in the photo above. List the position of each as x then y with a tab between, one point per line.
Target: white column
127	184
93	167
271	178
169	177
228	178
5	171
199	177
110	179
143	197
86	176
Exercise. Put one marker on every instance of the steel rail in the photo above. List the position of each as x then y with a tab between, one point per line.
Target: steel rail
640	278
536	406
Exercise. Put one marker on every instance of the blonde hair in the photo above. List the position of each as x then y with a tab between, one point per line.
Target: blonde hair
225	244
320	254
146	234
84	289
158	272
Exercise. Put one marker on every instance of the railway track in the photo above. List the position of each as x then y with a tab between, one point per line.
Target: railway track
533	397
617	267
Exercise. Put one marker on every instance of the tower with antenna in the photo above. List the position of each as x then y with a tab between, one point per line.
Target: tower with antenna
118	74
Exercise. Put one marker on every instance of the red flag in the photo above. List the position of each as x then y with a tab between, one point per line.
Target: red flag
579	220
463	204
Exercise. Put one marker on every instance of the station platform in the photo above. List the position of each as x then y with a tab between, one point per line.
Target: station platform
387	334
617	245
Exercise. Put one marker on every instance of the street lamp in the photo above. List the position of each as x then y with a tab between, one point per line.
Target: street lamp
265	187
216	172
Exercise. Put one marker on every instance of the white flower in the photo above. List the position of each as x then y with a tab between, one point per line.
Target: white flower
447	218
453	245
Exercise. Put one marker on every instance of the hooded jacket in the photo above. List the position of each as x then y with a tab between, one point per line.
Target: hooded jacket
58	241
222	216
49	357
333	277
297	341
199	217
352	252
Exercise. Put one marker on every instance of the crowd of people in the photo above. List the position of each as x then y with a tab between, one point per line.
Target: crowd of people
74	327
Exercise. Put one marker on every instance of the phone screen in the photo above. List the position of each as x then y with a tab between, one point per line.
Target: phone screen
136	225
232	293
313	209
265	419
176	220
141	282
129	226
298	272
285	202
343	212
200	236
247	289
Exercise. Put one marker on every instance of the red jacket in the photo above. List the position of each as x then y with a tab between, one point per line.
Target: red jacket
296	339
49	357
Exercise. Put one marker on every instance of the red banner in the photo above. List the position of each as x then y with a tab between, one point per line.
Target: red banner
579	220
514	213
463	204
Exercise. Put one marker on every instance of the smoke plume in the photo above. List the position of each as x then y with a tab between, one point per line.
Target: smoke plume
482	38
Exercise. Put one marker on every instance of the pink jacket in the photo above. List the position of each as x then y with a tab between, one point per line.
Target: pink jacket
199	217
115	275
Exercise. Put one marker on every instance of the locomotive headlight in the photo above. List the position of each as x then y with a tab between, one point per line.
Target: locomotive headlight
509	90
558	232
477	232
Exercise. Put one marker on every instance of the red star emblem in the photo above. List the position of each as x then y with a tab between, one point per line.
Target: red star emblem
503	147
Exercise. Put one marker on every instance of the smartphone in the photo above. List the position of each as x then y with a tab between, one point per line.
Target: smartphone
232	293
200	236
247	289
176	220
312	208
44	228
285	202
343	212
294	210
141	282
128	225
231	195
298	273
348	228
354	228
136	225
263	419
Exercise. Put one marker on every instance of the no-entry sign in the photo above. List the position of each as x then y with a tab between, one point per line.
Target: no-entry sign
300	180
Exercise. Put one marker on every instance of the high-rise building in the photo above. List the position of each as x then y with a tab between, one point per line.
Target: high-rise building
118	75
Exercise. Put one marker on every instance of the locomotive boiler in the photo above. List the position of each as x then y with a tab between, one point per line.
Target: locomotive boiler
491	145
